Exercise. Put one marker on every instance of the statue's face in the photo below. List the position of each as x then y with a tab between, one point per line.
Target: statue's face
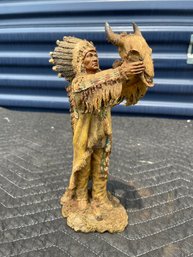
91	62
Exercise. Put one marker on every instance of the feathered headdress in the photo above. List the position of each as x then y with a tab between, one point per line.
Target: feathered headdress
68	56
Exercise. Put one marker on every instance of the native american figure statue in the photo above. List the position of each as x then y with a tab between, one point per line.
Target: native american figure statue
92	94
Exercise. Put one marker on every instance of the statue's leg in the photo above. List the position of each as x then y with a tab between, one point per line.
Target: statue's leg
78	182
82	185
99	171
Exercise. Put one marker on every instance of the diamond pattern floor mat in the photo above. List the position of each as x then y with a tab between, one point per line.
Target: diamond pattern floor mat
151	172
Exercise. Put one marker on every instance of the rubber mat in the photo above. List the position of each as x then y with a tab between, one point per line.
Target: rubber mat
151	172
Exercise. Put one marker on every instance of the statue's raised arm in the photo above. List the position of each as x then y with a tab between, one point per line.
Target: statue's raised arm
93	88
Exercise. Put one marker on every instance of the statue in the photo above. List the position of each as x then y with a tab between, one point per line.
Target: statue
92	94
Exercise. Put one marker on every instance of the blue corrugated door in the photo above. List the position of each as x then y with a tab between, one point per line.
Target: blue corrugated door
29	29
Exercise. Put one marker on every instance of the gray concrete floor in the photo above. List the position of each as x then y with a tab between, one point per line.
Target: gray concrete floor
151	172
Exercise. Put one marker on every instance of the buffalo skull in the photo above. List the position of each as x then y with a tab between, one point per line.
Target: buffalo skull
133	47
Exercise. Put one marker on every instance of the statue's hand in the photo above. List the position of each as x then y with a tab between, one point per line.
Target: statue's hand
130	69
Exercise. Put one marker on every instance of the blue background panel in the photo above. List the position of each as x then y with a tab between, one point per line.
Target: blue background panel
29	29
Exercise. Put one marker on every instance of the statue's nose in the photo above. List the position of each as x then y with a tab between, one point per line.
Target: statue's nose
95	58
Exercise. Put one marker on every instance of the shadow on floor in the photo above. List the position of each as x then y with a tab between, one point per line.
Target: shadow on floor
127	194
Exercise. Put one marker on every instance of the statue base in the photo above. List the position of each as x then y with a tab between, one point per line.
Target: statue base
99	218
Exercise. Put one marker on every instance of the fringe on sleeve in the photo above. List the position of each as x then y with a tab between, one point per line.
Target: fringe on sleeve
133	93
100	90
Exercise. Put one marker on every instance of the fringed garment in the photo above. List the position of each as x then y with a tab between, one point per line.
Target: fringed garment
91	98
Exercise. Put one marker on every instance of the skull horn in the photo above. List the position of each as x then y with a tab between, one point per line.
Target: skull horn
111	36
136	29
